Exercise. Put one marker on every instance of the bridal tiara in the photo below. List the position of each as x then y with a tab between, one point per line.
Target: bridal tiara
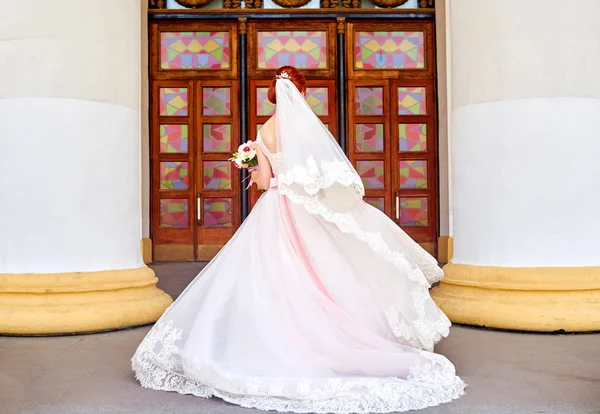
283	75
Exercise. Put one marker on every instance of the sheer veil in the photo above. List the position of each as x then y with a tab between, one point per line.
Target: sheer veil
315	171
313	159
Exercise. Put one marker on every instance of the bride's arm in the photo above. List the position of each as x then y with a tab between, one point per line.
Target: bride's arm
262	177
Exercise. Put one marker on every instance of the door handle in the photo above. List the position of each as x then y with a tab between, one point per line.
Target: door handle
397	207
198	210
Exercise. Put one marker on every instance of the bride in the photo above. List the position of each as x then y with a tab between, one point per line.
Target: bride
318	304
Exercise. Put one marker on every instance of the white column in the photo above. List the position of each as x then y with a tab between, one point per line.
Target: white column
70	159
525	156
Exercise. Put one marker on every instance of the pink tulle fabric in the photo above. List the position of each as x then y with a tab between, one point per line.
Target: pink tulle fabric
296	314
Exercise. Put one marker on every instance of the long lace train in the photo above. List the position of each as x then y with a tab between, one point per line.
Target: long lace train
319	303
267	337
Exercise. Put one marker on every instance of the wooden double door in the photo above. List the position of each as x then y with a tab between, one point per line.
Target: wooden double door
380	94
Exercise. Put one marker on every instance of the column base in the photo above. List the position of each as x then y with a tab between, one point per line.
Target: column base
527	299
82	302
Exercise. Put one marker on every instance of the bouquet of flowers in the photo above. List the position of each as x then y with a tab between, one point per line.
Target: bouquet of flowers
245	157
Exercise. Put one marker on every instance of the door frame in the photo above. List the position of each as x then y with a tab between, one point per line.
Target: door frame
268	20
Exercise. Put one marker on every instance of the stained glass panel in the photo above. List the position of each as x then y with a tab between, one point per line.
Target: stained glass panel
413	174
372	173
216	101
389	50
216	138
369	137
414	211
412	100
304	50
217	212
412	137
174	175
318	99
173	138
264	107
194	50
173	212
217	175
173	101
369	101
377	202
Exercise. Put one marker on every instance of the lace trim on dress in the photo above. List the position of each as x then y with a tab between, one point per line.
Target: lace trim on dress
313	177
428	384
431	381
427	333
333	172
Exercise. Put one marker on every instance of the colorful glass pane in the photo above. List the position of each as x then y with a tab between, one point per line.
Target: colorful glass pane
304	50
412	137
194	50
413	174
369	101
372	173
318	99
414	211
216	101
173	212
217	175
389	50
173	138
216	138
173	101
264	107
174	175
217	212
369	137
377	202
412	100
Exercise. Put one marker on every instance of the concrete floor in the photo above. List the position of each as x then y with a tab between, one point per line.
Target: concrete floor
508	373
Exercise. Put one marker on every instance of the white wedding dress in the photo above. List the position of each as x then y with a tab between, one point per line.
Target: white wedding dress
332	316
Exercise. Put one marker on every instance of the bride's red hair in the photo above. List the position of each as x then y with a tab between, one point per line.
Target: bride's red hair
295	76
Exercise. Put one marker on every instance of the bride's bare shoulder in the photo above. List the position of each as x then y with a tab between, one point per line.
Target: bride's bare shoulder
267	133
269	126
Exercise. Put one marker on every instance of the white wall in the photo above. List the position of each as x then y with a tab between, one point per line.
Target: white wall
70	158
442	23
525	132
145	121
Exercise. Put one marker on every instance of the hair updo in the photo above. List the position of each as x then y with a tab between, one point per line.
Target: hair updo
296	78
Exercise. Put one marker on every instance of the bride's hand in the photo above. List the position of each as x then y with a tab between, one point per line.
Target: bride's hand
254	177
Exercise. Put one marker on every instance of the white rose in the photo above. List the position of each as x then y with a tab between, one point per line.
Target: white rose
238	162
250	154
